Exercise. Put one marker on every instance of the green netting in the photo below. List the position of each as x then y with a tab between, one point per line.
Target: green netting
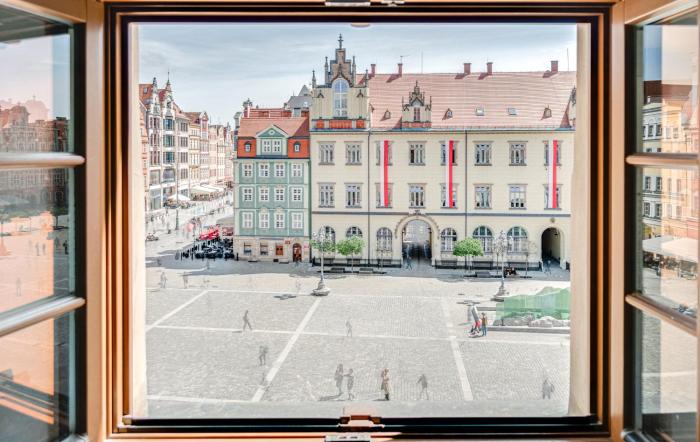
549	301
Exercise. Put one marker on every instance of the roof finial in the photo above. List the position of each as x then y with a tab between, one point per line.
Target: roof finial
340	41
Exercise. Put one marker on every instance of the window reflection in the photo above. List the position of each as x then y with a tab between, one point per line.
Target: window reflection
668	93
668	234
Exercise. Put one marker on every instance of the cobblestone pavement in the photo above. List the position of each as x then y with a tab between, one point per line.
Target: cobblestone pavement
201	363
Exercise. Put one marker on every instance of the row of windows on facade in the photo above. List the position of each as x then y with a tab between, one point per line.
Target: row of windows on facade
297	220
655	131
516	238
417	199
169	124
17	179
297	194
657	213
658	184
272	146
297	170
417	154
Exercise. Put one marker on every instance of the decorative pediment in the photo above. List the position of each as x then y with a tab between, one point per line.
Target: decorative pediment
271	131
417	98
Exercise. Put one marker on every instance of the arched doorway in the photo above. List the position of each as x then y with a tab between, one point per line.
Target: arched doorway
551	245
417	240
296	252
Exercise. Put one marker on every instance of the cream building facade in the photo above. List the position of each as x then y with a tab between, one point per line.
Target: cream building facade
379	153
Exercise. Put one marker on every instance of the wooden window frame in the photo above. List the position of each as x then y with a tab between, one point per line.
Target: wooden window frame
115	398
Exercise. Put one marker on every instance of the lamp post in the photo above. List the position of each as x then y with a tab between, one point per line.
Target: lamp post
500	245
320	239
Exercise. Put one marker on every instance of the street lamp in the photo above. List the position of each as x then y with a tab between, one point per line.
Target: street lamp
320	239
500	246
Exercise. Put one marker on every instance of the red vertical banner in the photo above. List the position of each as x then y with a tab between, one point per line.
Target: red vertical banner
449	161
385	173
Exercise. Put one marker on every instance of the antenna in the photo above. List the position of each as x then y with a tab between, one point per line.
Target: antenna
401	57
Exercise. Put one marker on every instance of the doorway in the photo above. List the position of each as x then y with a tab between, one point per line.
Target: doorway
417	241
296	252
551	245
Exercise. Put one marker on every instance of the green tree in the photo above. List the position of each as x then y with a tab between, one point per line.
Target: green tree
325	246
468	247
350	247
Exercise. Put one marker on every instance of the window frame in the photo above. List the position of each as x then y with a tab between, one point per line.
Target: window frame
119	16
67	309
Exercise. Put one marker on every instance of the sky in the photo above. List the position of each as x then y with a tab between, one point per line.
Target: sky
215	67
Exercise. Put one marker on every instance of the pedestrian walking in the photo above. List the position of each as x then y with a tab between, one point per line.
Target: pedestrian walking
548	267
262	355
339	374
350	384
483	324
246	321
385	384
43	249
163	280
547	388
18	284
348	328
423	382
409	264
65	247
185	279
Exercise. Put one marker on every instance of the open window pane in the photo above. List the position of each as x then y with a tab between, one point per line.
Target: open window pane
37	231
667	391
35	99
667	237
37	382
230	315
666	92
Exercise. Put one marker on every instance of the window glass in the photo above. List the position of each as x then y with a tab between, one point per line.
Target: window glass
37	385
37	228
35	103
238	324
667	88
668	380
666	237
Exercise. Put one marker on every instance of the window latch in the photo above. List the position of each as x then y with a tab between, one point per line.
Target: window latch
360	422
349	437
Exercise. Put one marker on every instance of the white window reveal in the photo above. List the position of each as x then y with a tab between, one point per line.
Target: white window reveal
297	171
297	220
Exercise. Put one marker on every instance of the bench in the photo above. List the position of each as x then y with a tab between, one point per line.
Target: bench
483	274
337	270
365	270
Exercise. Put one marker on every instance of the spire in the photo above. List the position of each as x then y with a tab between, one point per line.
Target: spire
313	79
167	84
354	67
326	76
340	41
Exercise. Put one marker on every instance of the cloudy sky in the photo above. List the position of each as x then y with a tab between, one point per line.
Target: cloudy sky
215	67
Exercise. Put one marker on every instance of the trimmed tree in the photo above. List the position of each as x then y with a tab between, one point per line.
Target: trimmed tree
467	247
350	247
325	246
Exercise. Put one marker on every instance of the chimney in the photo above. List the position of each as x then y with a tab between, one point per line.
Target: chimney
467	68
373	72
400	69
555	66
489	67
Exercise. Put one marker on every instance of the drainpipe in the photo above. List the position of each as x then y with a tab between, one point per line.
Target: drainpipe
369	206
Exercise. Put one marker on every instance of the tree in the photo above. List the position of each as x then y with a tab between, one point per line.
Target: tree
467	247
350	247
325	246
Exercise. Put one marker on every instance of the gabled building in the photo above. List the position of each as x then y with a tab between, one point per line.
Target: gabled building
272	185
413	163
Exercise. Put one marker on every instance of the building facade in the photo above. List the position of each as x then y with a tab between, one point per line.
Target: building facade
271	193
413	163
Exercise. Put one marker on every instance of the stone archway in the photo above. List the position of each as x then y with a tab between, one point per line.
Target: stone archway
551	246
433	231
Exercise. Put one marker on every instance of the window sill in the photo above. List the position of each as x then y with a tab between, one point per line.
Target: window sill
353	164
483	164
326	164
518	165
483	208
416	164
518	208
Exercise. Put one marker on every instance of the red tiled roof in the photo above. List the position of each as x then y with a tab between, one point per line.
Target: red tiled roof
294	127
145	91
528	92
